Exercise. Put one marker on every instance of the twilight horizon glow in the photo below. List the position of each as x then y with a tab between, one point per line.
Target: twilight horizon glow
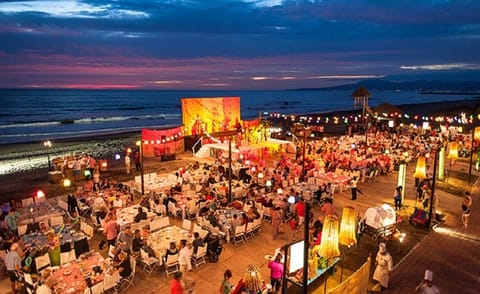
234	44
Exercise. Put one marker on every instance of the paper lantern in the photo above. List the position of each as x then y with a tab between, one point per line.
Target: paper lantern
66	183
253	279
476	134
347	234
453	151
420	169
329	245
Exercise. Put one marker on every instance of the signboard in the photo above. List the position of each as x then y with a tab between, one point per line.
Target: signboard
295	262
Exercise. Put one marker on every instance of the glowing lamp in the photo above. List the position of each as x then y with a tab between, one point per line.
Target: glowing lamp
253	169
291	199
40	194
247	162
129	150
268	183
87	173
329	246
453	152
279	191
103	165
117	156
476	134
347	234
421	168
66	183
138	143
260	175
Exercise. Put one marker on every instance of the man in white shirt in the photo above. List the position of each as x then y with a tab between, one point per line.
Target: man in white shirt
12	263
117	203
184	257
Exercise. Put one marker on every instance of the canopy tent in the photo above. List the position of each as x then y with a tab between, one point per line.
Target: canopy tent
162	142
378	217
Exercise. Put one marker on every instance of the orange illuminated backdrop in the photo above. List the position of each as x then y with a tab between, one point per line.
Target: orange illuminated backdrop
210	115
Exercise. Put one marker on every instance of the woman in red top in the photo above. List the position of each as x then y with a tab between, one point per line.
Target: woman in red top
176	284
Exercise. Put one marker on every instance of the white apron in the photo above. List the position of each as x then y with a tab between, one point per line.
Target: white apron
384	265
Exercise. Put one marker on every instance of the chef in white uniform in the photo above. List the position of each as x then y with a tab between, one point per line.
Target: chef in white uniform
384	267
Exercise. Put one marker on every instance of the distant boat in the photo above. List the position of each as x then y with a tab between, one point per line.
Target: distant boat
67	121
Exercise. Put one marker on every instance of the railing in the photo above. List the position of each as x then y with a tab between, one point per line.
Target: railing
295	140
196	143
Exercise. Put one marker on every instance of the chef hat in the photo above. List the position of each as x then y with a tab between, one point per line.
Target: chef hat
382	247
428	275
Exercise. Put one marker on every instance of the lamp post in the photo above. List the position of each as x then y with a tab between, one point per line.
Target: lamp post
430	209
47	144
475	137
304	132
306	243
142	180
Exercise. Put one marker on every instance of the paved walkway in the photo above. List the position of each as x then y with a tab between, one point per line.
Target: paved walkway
451	251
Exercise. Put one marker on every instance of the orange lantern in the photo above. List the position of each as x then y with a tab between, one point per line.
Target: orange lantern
476	134
329	246
347	235
453	152
421	168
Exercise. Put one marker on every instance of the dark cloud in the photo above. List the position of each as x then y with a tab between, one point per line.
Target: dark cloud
335	37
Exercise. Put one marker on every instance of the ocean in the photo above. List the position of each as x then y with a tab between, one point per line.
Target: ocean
36	115
31	116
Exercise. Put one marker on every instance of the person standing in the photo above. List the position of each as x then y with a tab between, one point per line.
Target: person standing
127	163
426	286
226	285
397	197
137	161
125	239
184	257
353	188
384	267
12	263
276	272
11	219
466	203
110	229
276	222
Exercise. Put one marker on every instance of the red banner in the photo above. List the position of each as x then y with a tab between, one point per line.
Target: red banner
162	142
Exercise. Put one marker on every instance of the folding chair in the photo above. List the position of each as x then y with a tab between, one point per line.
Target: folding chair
95	289
199	258
149	263
187	225
56	221
110	282
42	262
171	264
239	234
66	257
27	202
125	283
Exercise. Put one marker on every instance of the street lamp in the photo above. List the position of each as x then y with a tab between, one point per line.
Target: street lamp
47	144
304	132
140	146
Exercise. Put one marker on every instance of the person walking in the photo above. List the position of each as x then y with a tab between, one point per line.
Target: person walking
176	286
276	272
127	163
276	222
426	286
137	161
383	268
466	204
226	286
397	197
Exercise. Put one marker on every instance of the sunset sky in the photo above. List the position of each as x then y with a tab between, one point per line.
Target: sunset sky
235	44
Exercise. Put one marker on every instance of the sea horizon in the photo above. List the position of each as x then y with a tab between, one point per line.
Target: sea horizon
28	117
